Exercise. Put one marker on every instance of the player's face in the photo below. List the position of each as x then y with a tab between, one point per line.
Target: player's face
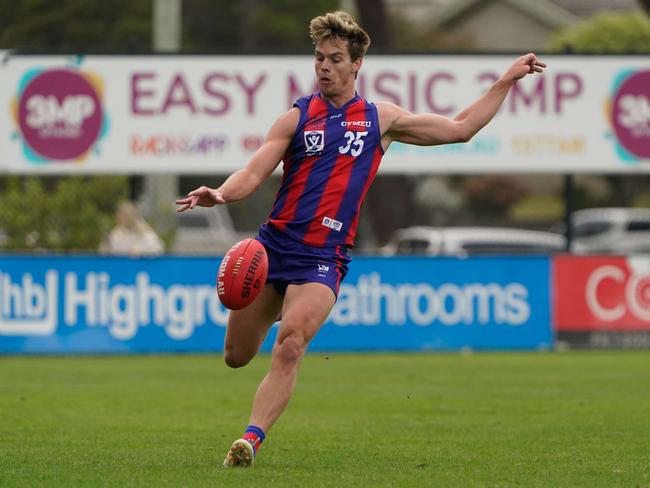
334	67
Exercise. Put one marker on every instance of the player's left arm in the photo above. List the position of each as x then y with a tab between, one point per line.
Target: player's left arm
432	129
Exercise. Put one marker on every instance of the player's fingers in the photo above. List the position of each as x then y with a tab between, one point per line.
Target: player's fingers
202	190
182	208
182	201
540	64
194	201
529	58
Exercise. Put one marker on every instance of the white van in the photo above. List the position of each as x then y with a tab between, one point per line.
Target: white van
611	231
472	241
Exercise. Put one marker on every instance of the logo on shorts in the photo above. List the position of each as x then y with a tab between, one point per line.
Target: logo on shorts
323	269
332	224
314	141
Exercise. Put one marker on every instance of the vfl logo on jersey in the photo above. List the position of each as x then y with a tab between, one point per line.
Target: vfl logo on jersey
323	269
314	141
332	224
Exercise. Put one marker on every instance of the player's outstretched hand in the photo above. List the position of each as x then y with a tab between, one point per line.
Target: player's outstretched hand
203	197
525	65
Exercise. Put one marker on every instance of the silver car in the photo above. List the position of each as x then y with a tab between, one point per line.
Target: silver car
467	241
611	231
205	231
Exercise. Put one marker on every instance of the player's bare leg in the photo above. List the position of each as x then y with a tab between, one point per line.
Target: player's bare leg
247	328
306	308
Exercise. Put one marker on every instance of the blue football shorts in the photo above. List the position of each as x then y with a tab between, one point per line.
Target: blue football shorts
293	262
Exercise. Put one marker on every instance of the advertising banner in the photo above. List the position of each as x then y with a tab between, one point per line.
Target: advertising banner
208	114
602	301
169	304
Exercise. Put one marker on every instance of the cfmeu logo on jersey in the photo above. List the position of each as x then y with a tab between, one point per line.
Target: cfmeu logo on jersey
314	141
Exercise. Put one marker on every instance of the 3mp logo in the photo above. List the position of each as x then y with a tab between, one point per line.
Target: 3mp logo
58	114
314	141
629	113
28	308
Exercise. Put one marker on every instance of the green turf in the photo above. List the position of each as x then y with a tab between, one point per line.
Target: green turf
522	419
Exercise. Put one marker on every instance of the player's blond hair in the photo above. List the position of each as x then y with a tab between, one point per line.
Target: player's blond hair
340	25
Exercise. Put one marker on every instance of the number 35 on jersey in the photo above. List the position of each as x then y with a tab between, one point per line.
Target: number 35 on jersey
354	143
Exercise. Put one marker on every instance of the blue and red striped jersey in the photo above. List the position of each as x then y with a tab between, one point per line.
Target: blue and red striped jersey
331	161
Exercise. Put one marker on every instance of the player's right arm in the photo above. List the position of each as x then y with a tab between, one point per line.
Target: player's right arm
245	181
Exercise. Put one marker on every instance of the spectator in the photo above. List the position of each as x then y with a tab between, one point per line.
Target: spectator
131	235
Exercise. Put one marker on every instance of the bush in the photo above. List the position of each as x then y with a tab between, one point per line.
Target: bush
627	32
491	196
62	215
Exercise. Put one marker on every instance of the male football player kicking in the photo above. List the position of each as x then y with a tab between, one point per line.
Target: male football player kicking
331	144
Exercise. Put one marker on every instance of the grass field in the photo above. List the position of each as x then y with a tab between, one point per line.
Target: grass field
521	419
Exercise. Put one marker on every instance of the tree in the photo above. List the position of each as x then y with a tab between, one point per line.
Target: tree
627	32
372	15
126	25
76	25
646	5
69	214
250	25
490	196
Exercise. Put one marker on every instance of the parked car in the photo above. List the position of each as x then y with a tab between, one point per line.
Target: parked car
205	231
467	241
610	231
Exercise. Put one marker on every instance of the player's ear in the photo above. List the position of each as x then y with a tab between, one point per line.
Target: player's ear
356	65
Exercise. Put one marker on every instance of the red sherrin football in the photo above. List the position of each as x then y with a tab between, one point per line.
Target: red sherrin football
242	274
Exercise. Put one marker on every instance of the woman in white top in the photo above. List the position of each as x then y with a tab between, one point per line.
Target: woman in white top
131	235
